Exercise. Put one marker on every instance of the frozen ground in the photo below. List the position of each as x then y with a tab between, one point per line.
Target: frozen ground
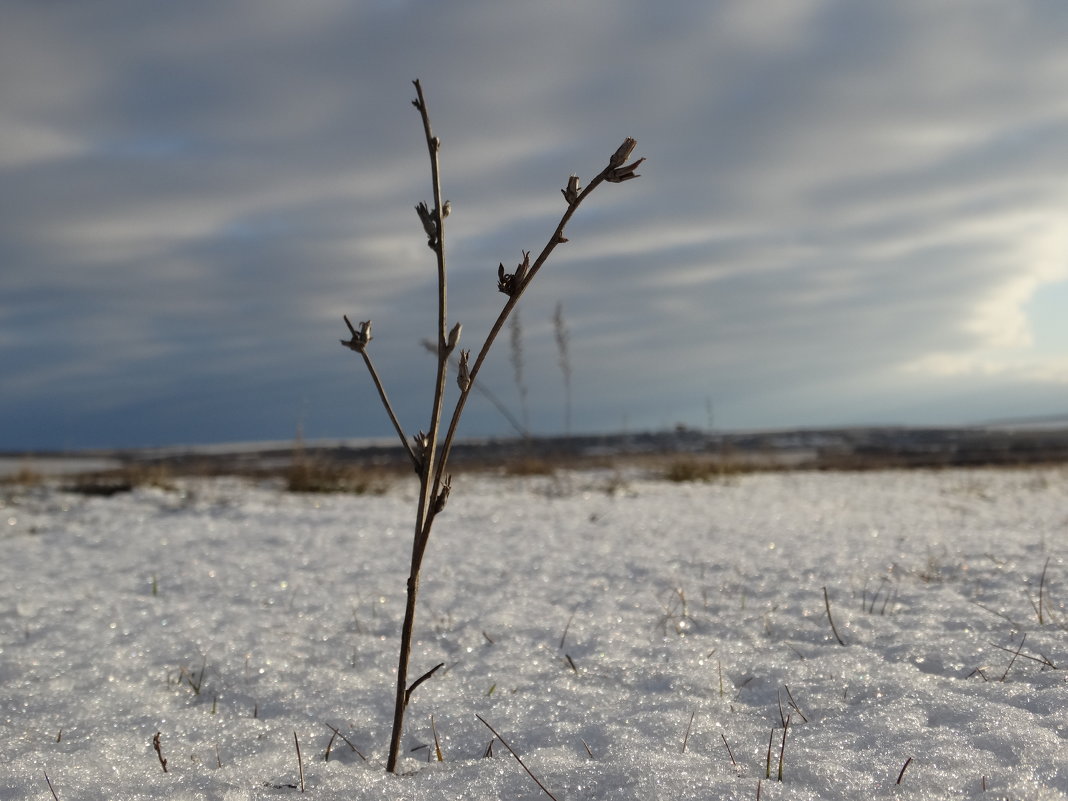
228	616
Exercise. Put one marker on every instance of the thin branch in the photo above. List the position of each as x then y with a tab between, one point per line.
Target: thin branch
159	752
358	343
517	758
420	680
614	172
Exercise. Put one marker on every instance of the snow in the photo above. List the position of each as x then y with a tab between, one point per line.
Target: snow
672	601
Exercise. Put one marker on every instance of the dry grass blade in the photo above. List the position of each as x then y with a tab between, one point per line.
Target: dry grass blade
517	757
793	704
686	737
827	603
901	775
782	748
1042	659
51	789
1015	655
567	627
728	747
348	742
1042	592
300	761
437	741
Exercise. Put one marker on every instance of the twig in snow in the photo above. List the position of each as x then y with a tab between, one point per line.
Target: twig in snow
159	752
420	680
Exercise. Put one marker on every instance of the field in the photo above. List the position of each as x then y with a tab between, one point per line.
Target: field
801	635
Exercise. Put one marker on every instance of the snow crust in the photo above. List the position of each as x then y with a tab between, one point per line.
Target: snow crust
226	616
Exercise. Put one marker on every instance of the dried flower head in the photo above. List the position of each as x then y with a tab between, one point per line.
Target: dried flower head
521	270
618	170
505	281
430	223
360	336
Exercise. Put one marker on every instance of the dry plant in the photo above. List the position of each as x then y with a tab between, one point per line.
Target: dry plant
515	341
563	352
429	451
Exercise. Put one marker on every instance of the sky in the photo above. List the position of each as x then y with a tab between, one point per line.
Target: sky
850	213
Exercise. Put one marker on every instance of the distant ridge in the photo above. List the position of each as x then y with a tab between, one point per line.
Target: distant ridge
1051	422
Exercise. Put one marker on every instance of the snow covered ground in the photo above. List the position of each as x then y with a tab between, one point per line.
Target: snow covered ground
228	616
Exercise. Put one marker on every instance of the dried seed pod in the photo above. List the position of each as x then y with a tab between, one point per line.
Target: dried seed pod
521	270
622	152
429	220
443	495
463	376
618	171
505	281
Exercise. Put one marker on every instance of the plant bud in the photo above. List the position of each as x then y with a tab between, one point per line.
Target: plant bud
454	337
572	191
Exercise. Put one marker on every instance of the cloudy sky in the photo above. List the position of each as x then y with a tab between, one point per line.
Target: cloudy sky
851	212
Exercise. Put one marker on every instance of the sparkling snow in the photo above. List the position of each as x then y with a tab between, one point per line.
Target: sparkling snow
226	616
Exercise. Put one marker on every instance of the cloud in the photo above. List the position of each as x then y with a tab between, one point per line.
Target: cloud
839	198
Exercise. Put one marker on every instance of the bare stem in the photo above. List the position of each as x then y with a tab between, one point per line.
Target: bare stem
389	408
426	461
